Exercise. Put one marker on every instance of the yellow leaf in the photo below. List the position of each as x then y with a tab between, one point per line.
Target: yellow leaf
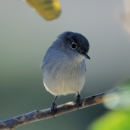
49	9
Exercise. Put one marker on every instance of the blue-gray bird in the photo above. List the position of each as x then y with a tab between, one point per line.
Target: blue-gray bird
64	66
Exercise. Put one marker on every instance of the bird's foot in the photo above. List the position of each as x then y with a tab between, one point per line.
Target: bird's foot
53	109
78	101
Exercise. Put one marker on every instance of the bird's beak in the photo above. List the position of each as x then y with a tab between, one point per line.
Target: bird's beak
85	55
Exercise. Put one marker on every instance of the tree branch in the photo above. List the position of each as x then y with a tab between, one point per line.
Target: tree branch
37	115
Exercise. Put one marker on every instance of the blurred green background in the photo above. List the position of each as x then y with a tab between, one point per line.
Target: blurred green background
24	39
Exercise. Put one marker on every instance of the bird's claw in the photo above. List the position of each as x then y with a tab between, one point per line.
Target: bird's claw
78	101
53	108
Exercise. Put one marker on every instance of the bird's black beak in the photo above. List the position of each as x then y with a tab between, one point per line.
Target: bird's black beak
85	55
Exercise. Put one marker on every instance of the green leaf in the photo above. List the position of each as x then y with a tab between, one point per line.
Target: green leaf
115	120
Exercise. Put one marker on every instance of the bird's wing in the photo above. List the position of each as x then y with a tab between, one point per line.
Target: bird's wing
42	64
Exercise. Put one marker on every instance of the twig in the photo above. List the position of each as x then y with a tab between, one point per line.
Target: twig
37	115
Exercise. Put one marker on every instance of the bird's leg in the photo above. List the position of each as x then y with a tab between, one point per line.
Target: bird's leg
53	106
78	100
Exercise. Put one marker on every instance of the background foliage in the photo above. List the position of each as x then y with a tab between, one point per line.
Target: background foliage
119	118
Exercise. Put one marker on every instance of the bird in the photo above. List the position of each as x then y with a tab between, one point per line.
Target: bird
64	66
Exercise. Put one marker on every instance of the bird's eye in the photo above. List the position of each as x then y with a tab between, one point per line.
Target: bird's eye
73	45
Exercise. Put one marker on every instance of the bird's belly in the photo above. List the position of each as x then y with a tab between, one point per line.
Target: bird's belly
64	82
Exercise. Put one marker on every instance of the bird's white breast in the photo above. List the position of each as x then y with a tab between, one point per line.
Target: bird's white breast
64	75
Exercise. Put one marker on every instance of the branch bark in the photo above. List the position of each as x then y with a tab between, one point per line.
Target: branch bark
37	115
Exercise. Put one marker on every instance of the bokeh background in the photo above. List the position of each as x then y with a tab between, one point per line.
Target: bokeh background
24	39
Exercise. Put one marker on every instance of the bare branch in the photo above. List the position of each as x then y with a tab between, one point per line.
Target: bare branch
37	115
